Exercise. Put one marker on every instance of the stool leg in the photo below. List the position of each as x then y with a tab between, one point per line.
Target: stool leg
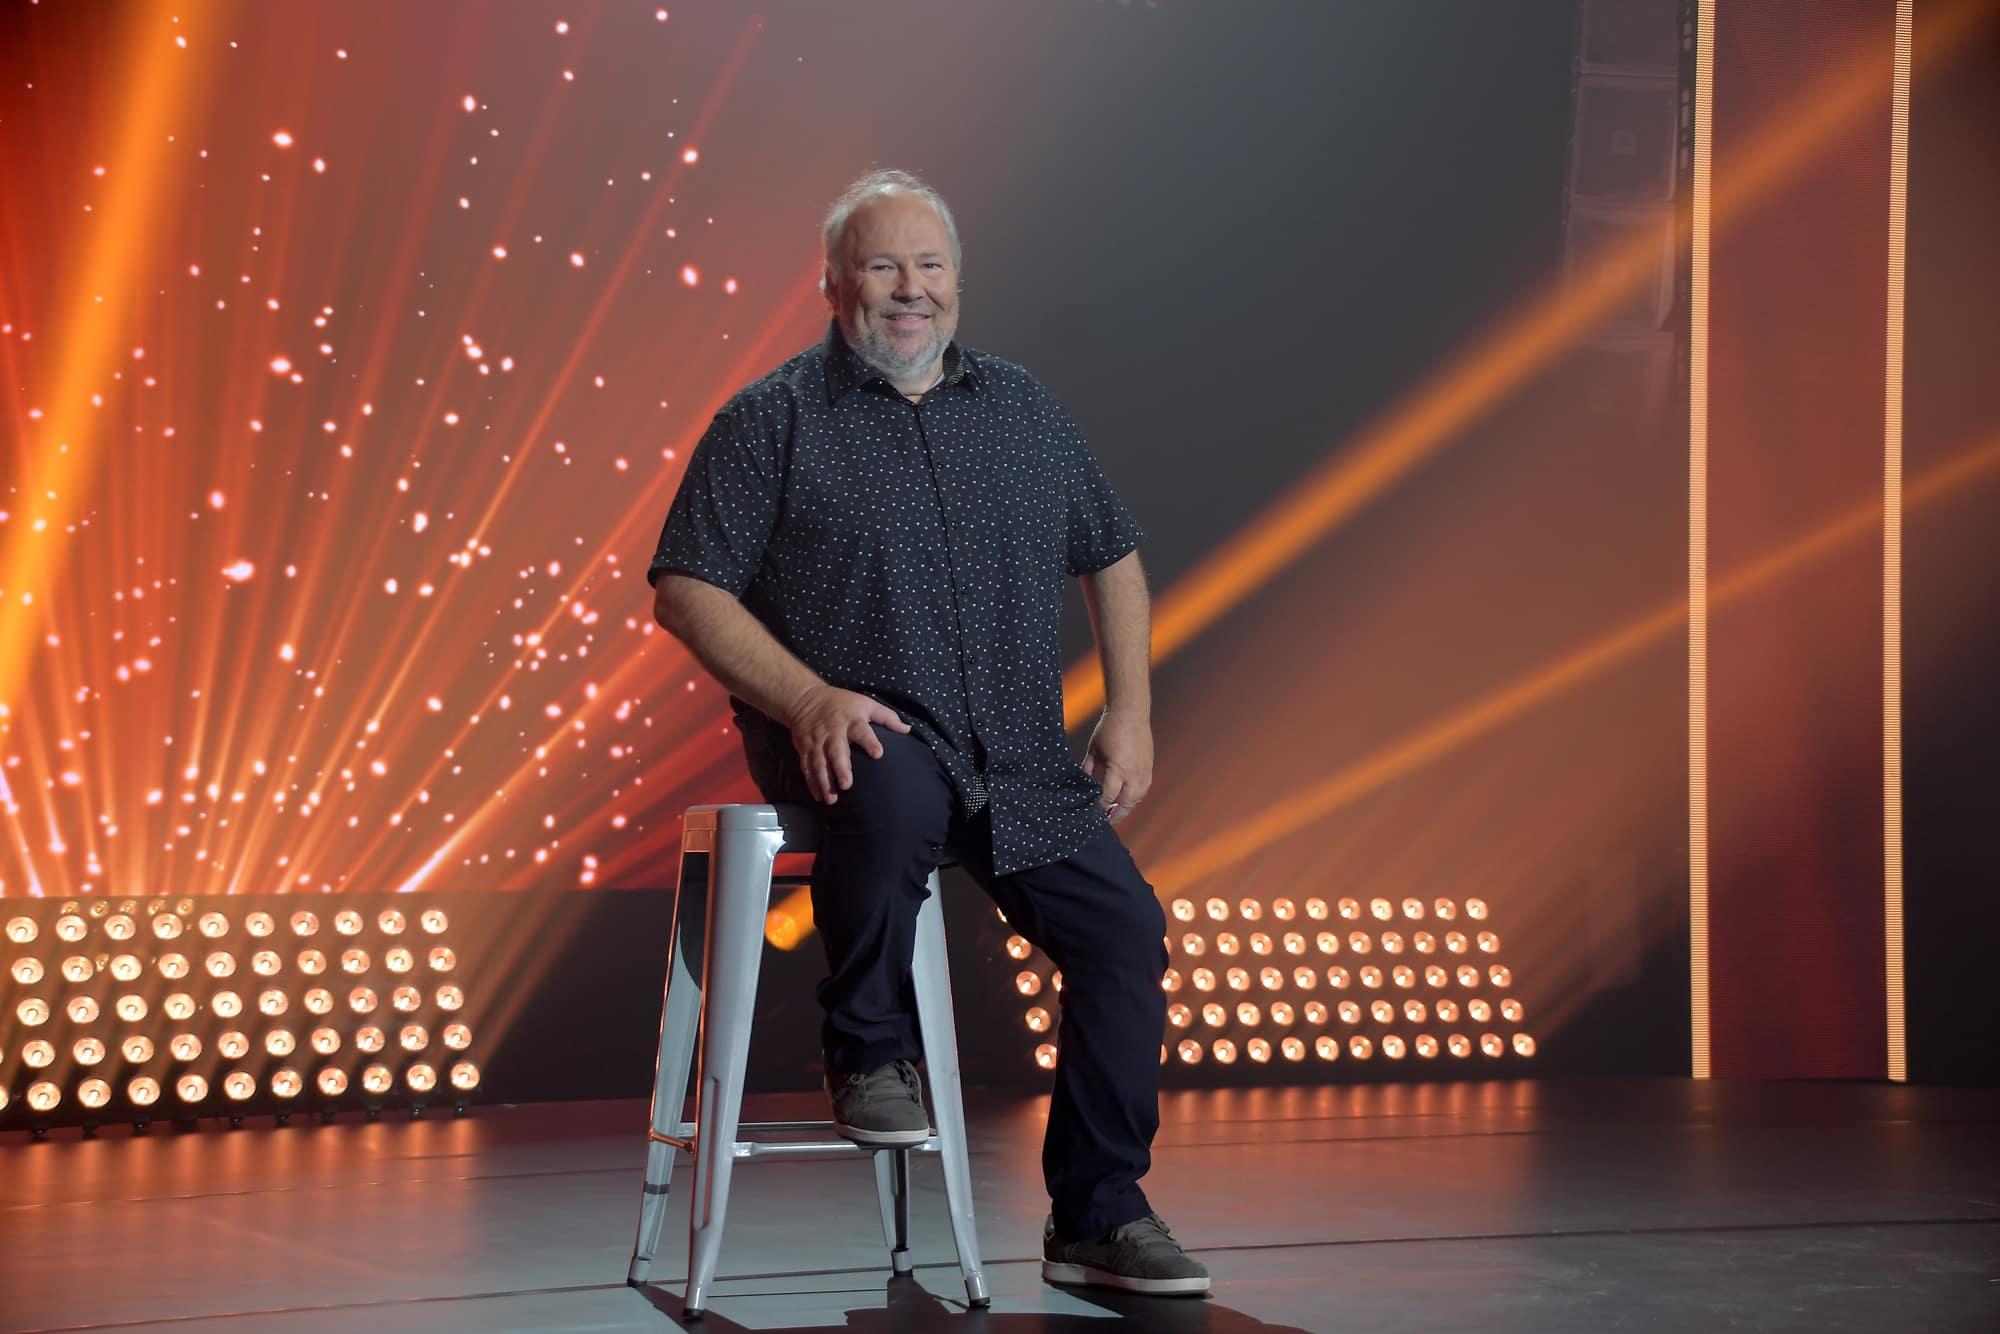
739	895
931	974
679	1013
892	1187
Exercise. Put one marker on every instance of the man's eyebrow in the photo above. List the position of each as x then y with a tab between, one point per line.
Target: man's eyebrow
884	254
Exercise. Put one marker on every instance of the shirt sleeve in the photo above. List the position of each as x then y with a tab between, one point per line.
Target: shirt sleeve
723	514
1101	530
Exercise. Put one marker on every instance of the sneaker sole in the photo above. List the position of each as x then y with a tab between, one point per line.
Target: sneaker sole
883	1139
1088	1277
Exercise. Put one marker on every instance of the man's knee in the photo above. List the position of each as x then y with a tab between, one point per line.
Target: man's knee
901	799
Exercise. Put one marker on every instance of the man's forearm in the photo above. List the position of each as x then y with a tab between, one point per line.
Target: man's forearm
1121	617
734	646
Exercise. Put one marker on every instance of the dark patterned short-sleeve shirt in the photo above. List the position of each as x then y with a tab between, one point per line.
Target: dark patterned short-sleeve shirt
917	554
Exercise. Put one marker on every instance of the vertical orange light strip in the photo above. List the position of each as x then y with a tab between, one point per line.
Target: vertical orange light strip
1704	119
1892	551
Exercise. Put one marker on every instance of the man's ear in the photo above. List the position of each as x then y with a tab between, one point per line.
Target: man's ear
827	287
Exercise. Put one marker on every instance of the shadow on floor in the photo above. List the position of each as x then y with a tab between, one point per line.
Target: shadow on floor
912	1309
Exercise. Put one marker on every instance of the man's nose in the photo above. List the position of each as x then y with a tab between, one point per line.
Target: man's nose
908	288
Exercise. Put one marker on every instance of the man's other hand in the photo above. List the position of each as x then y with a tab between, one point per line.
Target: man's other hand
827	723
1120	758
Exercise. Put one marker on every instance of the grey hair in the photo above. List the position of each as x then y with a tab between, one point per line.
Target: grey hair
877	185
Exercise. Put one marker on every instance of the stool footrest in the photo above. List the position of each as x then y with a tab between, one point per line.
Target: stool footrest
685	1141
786	1148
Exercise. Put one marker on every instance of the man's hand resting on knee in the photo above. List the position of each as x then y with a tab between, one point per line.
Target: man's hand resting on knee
826	722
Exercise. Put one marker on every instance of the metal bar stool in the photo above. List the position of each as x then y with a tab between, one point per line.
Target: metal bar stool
728	855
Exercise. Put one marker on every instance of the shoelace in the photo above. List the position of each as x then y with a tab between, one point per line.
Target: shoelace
1142	1230
906	1074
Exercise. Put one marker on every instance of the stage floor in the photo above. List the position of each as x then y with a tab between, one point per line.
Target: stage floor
1529	1206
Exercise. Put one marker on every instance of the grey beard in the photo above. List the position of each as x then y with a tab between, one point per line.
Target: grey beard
881	356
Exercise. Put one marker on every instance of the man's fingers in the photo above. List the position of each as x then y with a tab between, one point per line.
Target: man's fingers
887	716
843	767
815	782
1090	762
1114	786
864	736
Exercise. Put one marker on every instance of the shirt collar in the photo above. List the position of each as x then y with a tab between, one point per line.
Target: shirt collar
846	372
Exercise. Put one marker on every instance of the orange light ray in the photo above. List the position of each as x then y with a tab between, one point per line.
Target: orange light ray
396	670
57	475
1424	422
1287	815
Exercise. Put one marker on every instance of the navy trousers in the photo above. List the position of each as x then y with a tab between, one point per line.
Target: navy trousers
1092	913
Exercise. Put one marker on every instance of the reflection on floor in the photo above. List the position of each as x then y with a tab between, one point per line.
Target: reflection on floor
1506	1206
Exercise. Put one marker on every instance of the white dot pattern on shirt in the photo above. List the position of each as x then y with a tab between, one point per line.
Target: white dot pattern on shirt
917	555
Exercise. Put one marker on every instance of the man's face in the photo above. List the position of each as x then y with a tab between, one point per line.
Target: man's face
897	296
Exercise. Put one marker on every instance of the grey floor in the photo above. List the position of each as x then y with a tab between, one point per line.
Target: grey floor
1493	1207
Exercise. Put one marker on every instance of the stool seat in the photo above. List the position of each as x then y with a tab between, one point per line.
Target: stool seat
714	954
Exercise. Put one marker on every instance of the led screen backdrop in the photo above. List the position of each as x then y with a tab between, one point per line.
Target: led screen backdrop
352	354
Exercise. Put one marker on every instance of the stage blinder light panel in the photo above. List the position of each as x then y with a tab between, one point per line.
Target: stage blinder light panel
167	1008
1307	983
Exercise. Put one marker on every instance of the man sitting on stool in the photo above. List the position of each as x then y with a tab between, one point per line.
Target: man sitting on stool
869	551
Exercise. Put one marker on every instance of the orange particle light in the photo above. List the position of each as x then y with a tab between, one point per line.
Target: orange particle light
464	1076
191	1088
